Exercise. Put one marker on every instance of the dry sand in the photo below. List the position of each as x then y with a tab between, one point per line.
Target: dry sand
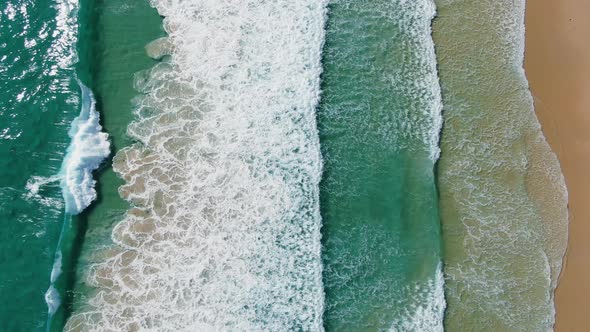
557	63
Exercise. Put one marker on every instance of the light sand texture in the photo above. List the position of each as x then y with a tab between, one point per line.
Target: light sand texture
557	63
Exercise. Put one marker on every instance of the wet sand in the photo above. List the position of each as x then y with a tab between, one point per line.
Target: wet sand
557	63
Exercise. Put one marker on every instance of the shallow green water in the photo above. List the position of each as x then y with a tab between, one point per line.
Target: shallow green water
378	122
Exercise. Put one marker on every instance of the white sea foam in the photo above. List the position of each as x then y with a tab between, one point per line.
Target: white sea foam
427	317
88	149
419	18
52	299
33	187
225	233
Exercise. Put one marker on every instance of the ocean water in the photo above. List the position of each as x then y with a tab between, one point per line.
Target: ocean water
503	198
39	97
252	262
379	122
272	165
52	143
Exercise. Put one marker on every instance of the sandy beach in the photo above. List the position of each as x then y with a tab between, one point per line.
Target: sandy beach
557	63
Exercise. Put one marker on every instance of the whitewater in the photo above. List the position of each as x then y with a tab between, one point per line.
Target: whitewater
89	147
224	233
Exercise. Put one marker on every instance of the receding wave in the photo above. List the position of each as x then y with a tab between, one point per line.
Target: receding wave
225	228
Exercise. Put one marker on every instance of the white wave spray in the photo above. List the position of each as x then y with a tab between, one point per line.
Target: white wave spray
88	149
429	315
225	232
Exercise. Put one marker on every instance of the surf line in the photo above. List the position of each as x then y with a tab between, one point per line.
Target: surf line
89	147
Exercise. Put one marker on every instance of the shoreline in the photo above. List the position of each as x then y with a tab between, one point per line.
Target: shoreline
494	172
557	64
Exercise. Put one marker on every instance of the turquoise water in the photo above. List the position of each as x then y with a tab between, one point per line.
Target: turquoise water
42	55
38	99
273	166
379	120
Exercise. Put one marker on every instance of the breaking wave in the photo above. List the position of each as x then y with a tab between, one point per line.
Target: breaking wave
88	149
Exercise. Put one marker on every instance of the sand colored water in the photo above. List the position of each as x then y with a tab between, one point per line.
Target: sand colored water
557	63
502	195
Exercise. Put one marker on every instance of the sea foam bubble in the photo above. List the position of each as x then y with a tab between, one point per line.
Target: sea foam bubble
225	229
